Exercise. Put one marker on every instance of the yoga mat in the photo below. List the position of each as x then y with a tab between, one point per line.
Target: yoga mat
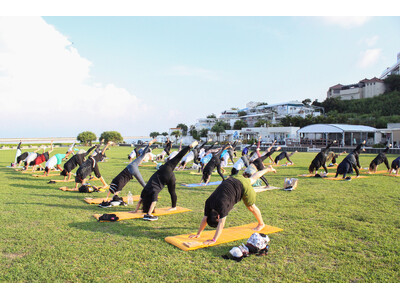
341	178
200	184
17	167
62	180
313	175
42	175
377	172
260	189
125	215
67	189
228	235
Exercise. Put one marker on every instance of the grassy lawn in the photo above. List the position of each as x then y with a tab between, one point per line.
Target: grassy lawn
334	231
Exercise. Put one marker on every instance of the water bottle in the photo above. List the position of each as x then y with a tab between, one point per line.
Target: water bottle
130	198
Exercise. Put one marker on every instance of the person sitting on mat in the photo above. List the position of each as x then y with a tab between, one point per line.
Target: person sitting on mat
74	161
283	155
320	160
380	158
163	176
215	162
119	182
91	165
41	158
350	162
395	166
222	200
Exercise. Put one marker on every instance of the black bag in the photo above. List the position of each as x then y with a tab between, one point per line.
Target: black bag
109	217
87	189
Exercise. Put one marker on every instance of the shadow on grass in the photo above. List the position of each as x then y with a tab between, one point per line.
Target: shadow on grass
129	228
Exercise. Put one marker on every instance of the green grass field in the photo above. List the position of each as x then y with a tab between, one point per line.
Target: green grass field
334	231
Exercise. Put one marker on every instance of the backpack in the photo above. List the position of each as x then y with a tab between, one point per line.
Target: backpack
87	188
258	243
109	217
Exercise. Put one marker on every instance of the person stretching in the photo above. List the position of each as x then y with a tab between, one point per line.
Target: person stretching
395	166
259	165
55	162
215	162
74	161
127	174
283	155
333	158
192	155
163	176
320	160
91	165
380	158
223	199
350	162
42	158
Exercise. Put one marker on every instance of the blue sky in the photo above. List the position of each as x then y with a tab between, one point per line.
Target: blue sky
142	74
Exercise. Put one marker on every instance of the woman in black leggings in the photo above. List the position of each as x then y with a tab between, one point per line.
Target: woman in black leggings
163	176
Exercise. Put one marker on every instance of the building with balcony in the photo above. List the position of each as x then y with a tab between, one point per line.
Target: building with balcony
366	88
393	70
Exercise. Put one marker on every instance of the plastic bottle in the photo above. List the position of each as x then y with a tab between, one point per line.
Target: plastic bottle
130	198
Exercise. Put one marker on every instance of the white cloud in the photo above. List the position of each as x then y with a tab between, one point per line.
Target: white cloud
347	22
45	84
371	41
369	57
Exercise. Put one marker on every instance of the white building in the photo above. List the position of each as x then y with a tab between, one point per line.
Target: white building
205	123
393	70
365	88
269	134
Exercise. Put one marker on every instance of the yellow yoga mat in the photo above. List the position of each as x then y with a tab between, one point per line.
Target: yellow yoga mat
62	180
313	175
67	189
377	172
341	178
228	235
42	175
392	175
125	215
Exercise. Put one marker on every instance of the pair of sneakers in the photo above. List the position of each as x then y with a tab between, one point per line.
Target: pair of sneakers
150	218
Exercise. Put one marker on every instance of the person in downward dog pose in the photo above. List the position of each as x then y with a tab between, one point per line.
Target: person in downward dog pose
74	161
395	166
380	158
215	162
126	175
258	165
332	157
320	160
350	162
223	199
55	162
192	155
41	158
91	165
283	155
163	176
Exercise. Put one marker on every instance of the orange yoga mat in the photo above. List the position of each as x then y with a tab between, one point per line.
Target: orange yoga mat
377	172
42	175
228	235
313	175
125	215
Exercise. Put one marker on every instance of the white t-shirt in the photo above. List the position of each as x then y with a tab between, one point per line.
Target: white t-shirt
31	157
52	162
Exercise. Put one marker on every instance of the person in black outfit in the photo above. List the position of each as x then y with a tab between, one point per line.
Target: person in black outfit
119	182
168	146
350	161
91	165
223	199
74	161
163	176
395	166
259	165
320	160
380	158
283	155
215	162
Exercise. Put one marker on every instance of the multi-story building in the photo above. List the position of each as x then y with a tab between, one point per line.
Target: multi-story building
365	88
393	70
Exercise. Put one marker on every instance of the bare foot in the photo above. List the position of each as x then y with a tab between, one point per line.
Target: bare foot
171	209
259	227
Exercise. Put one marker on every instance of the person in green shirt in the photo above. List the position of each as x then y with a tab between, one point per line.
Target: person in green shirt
225	196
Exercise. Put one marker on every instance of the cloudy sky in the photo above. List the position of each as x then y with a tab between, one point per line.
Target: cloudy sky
63	75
